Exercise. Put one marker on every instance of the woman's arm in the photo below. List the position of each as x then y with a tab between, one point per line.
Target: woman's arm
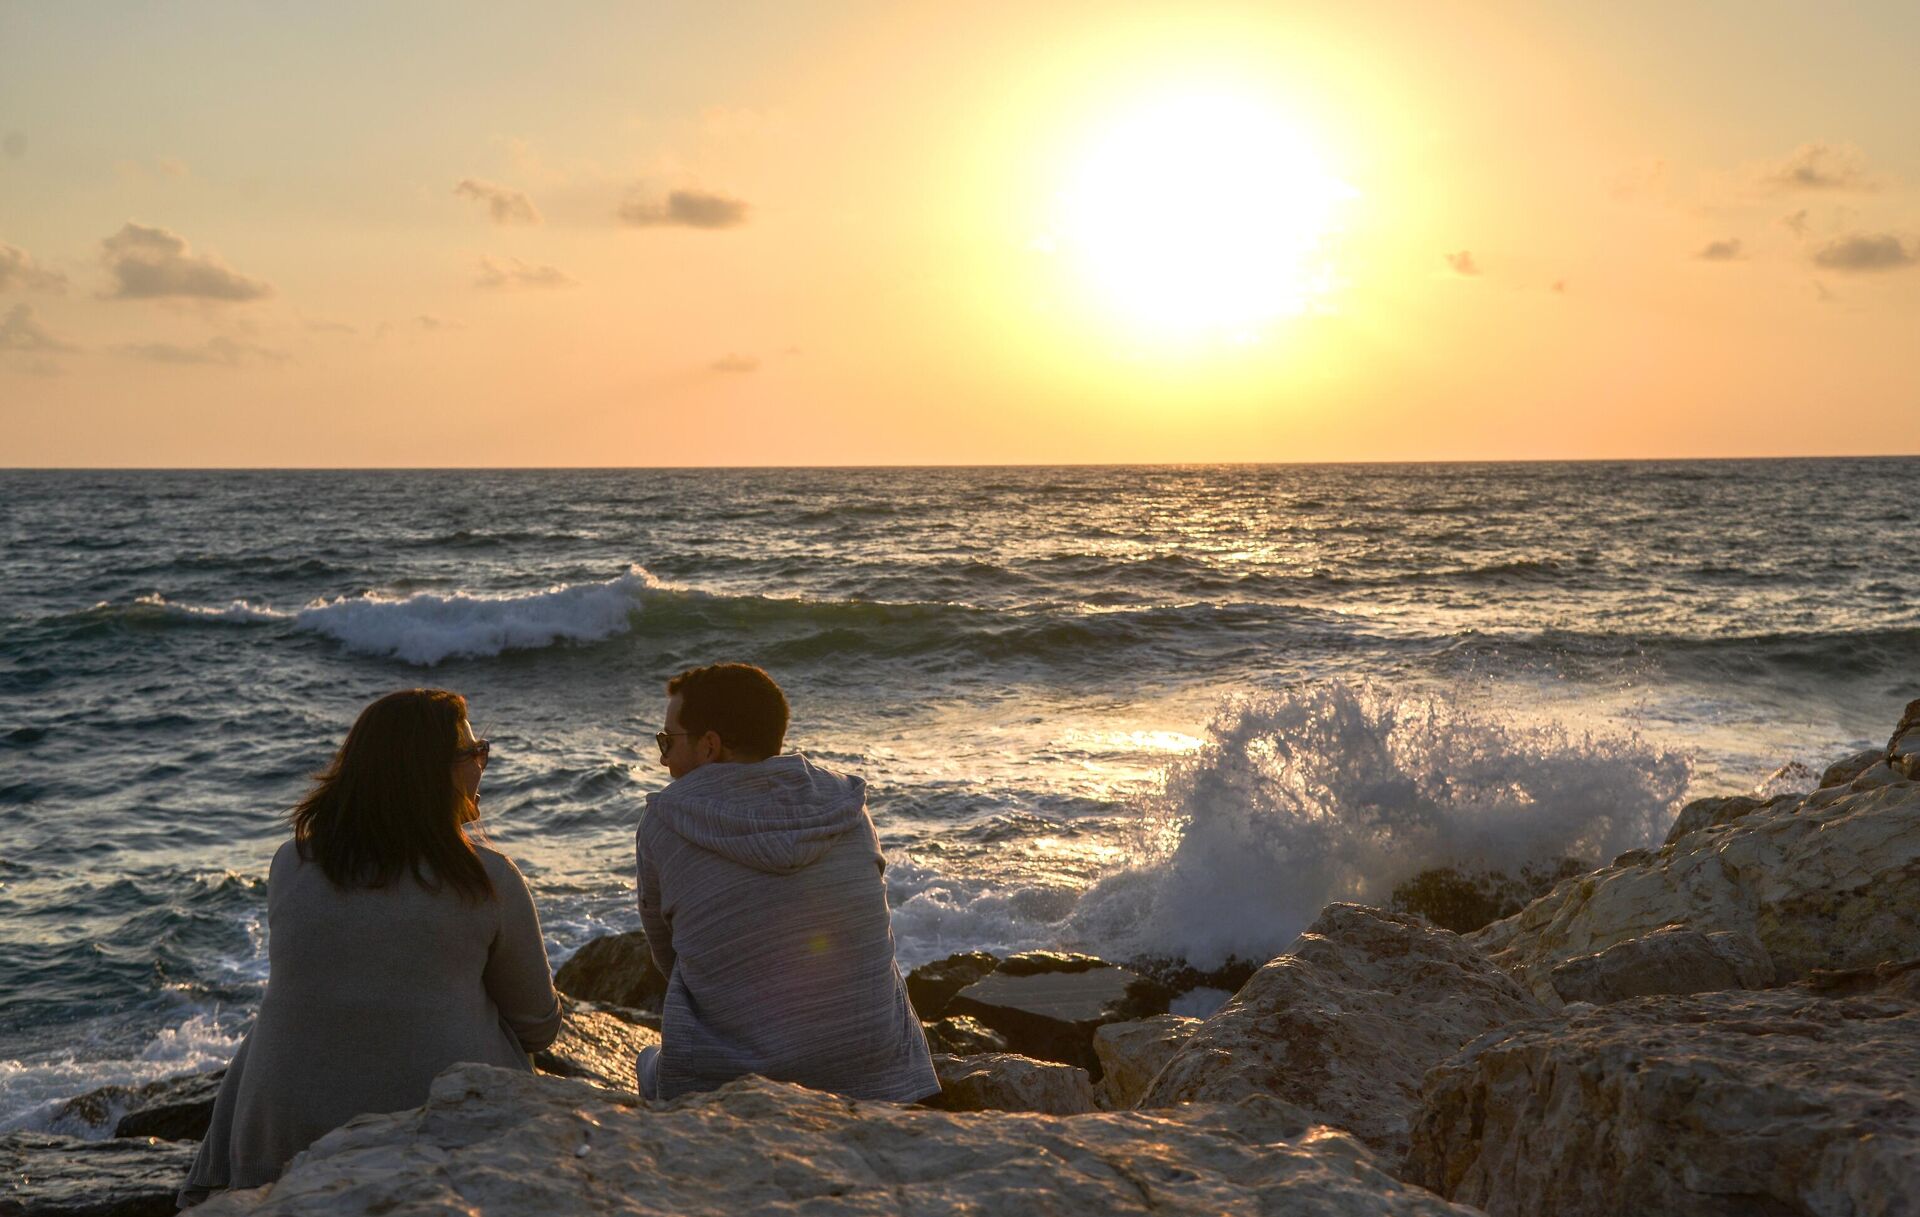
517	976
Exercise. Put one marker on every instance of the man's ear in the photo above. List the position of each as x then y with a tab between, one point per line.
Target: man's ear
714	750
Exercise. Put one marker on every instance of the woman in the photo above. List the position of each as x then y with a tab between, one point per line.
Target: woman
397	945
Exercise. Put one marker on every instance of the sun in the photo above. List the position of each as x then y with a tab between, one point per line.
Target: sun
1200	215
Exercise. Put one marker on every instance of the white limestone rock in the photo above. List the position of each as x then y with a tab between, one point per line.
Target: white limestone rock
1346	1024
1789	1103
1132	1053
1833	886
492	1143
1672	959
1001	1081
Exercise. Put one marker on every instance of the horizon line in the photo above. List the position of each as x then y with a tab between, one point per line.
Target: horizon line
1519	460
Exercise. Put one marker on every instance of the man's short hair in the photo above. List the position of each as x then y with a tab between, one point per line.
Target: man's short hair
736	701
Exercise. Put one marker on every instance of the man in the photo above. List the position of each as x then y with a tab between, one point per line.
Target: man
762	897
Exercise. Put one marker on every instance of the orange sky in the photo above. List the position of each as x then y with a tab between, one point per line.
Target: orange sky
986	233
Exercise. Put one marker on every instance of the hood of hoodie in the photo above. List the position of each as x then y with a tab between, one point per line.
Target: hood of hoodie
776	815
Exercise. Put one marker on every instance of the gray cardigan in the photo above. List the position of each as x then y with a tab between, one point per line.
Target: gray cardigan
762	896
370	993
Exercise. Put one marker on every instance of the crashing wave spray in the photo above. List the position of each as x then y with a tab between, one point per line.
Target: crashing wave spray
1338	791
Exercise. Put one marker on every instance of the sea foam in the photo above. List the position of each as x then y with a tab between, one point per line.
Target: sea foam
426	628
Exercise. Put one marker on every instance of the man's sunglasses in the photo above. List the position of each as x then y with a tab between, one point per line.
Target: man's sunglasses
665	739
481	749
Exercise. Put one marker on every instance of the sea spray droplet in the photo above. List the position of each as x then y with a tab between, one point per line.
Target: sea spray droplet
1339	791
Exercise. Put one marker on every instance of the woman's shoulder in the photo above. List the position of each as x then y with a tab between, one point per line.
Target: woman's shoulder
500	868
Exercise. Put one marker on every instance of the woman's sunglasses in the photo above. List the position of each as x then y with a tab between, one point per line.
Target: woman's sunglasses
481	749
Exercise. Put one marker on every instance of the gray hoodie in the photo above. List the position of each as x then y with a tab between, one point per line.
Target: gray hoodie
763	901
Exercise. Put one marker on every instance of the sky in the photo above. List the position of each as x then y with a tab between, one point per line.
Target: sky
798	233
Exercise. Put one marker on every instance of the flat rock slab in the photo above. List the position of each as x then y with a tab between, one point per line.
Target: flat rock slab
932	985
492	1143
1052	1015
48	1175
597	1044
1781	1103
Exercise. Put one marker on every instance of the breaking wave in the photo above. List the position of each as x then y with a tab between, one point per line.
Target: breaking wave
1331	791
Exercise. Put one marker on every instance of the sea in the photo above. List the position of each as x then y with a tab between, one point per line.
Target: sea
1165	711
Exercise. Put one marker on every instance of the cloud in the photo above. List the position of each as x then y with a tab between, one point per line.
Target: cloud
1463	263
734	363
18	269
1819	167
150	263
1866	252
219	350
321	325
685	209
505	206
1721	251
20	330
513	273
160	167
1795	222
14	144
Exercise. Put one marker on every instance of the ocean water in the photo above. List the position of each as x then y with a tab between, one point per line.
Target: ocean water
1128	710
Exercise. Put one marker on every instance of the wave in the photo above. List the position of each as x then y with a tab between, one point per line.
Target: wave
35	1092
1889	650
426	628
1330	791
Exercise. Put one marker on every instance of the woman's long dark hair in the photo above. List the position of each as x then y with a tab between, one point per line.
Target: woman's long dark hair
388	805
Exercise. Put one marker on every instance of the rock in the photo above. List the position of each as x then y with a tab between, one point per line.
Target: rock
1672	959
1052	1015
179	1109
491	1141
175	1109
1729	1104
932	985
1903	750
1041	963
49	1175
596	1045
958	1035
1463	901
1179	977
1875	776
1843	771
1705	813
1000	1081
1833	886
1132	1053
1345	1024
614	968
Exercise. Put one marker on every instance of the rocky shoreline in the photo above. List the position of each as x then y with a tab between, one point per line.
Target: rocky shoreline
1728	1024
